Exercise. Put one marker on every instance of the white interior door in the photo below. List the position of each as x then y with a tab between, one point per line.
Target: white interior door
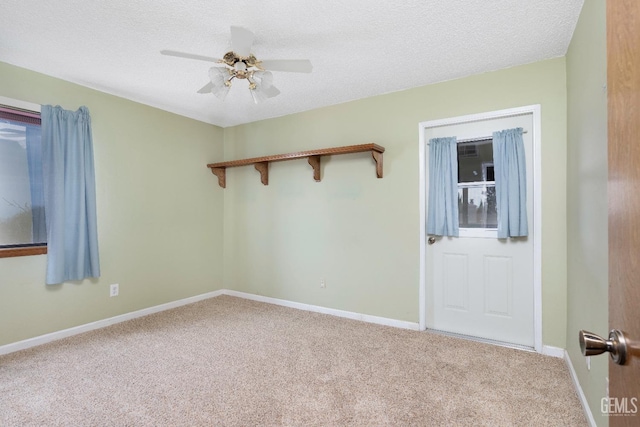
477	284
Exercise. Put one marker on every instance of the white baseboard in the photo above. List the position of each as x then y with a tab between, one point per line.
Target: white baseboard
324	310
548	350
43	339
563	354
583	399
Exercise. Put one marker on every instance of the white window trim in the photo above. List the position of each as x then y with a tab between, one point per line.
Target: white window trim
16	103
483	233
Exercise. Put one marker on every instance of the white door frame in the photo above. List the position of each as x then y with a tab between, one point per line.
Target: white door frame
537	207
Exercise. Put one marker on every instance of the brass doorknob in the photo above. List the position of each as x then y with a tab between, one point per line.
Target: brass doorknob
431	240
592	345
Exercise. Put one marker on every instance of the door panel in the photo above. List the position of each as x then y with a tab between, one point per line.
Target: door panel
455	281
478	285
498	282
623	84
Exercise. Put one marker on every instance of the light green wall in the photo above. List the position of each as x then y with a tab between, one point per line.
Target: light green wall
359	233
159	213
587	224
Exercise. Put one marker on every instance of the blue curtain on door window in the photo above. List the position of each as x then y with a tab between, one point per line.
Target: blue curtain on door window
442	215
69	194
511	183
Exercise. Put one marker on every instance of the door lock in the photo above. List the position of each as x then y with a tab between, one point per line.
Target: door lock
592	345
431	240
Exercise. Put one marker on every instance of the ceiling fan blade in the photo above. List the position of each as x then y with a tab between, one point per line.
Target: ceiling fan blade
241	41
206	88
271	91
290	65
189	55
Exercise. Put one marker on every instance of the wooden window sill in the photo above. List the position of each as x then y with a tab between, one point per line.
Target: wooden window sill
14	252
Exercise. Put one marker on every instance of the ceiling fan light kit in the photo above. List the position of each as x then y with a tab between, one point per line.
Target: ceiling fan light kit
241	64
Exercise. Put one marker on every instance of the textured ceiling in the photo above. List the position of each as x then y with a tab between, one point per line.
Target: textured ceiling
358	48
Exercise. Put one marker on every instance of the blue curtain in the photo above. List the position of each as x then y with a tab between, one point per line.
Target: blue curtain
442	215
34	161
511	183
69	194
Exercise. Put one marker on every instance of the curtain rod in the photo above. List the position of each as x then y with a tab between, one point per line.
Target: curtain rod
479	138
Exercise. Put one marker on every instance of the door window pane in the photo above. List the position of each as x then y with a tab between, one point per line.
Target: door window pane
475	161
477	206
476	185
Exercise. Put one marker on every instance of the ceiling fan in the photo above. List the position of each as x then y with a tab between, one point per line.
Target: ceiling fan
240	63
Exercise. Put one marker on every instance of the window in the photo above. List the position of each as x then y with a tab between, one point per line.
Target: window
22	219
476	185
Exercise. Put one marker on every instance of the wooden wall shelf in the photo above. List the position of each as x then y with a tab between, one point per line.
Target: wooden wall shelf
313	157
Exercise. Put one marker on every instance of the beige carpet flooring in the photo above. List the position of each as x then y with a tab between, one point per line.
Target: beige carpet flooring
232	362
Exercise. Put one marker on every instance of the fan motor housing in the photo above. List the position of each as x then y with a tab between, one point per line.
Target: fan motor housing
231	58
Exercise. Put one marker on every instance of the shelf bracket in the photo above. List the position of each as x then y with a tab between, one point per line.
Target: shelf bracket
263	168
221	173
377	156
314	161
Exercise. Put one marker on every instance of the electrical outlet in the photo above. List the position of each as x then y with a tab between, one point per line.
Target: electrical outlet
323	284
114	290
